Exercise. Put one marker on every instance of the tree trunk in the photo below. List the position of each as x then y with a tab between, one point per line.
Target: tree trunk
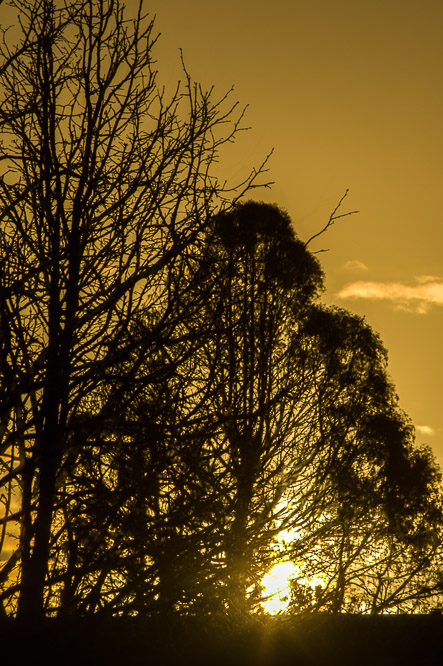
34	570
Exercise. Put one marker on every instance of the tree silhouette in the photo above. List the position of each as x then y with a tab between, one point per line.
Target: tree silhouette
105	194
307	433
279	418
380	549
175	398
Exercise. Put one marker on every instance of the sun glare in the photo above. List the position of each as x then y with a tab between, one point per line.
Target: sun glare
276	587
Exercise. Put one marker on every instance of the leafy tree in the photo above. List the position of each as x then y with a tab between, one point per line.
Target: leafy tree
307	434
381	549
105	194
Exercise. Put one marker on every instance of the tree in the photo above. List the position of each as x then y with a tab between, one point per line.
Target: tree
298	389
262	283
105	195
278	419
303	433
379	547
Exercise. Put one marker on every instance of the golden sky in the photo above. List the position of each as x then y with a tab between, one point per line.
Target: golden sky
349	93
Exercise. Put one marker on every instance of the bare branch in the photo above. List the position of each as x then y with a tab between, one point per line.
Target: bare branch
332	219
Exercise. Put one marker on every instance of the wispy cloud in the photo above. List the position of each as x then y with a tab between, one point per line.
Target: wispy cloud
422	279
355	265
419	297
425	430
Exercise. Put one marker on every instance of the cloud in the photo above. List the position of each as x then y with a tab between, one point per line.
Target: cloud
355	265
419	298
423	279
425	430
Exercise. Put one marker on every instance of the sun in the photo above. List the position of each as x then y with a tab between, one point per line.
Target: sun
276	587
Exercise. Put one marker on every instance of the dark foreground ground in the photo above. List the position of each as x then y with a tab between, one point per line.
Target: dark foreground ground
322	640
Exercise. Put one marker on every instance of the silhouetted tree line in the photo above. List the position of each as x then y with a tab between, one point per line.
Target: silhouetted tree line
174	396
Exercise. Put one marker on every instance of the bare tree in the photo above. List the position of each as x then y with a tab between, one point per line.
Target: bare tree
105	194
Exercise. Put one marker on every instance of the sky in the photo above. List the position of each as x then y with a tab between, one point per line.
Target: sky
349	95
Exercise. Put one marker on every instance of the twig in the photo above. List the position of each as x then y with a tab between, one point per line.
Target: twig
333	218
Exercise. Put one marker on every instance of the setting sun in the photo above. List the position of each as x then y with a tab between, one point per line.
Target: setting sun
276	587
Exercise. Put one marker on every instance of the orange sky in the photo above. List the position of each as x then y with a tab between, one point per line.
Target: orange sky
349	94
